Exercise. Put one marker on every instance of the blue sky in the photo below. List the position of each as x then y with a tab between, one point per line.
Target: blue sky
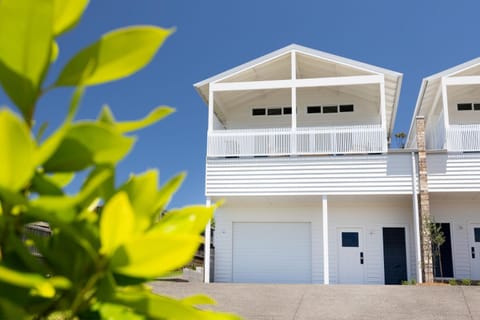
417	38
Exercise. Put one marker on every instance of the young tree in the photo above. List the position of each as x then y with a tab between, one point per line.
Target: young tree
96	262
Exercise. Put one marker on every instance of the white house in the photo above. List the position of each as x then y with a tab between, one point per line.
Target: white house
450	103
298	147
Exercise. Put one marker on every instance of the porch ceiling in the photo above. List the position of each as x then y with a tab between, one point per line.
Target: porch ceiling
310	63
431	87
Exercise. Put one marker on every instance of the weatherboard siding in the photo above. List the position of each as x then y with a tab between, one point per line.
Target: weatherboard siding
330	175
453	172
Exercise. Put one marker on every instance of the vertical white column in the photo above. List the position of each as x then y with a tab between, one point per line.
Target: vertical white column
326	270
210	109
206	259
383	113
293	141
416	221
446	117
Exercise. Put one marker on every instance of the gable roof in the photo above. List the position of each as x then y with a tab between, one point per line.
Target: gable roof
310	59
431	85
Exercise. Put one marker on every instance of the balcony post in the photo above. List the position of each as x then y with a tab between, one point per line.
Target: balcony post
210	110
383	114
293	135
446	117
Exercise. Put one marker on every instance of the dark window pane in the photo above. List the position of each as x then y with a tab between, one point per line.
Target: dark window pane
349	239
476	232
314	109
274	111
346	108
476	106
287	110
330	109
258	112
464	106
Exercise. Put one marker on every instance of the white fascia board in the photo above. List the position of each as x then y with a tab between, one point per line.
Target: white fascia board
395	105
302	50
299	83
458	81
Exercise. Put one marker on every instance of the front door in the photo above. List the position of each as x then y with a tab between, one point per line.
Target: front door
475	250
351	258
394	255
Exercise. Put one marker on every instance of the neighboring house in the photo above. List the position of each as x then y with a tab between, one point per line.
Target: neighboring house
298	147
450	103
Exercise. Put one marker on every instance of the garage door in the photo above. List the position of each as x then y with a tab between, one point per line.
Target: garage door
272	252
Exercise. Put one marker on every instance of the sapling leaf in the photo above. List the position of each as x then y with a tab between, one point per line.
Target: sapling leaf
156	115
25	45
43	185
154	254
41	286
142	191
17	155
67	13
116	55
117	223
188	220
167	191
86	144
106	115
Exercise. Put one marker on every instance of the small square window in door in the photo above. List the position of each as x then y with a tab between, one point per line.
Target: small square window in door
476	232
349	239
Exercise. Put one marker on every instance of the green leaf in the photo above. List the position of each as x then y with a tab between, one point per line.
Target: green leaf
54	52
142	192
66	14
25	45
61	179
188	220
106	115
16	157
116	55
110	311
51	144
86	144
43	185
156	115
41	286
117	223
154	254
162	307
168	190
198	299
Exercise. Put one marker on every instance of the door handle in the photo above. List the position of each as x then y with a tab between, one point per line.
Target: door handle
361	257
473	252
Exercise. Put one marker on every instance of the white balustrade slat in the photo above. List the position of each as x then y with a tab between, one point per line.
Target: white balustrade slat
284	141
464	137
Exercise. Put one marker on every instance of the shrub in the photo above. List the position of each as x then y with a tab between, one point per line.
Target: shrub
466	282
97	259
452	282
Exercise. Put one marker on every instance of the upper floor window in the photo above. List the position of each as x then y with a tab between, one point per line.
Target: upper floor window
331	108
468	106
271	111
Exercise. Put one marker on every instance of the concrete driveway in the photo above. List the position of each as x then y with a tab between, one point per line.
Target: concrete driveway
282	302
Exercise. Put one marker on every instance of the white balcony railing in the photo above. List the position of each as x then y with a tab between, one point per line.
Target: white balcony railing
284	141
435	135
464	137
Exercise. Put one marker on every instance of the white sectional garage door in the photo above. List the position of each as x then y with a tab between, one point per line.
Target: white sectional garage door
272	252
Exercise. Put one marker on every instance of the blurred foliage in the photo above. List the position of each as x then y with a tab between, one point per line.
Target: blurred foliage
98	259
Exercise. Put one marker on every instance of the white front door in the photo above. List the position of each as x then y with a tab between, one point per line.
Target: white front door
475	250
351	258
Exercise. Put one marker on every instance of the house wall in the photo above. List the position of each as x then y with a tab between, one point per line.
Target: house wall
468	94
365	112
459	209
316	175
453	172
370	213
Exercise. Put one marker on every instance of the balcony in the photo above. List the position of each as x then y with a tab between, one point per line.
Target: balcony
302	141
464	137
